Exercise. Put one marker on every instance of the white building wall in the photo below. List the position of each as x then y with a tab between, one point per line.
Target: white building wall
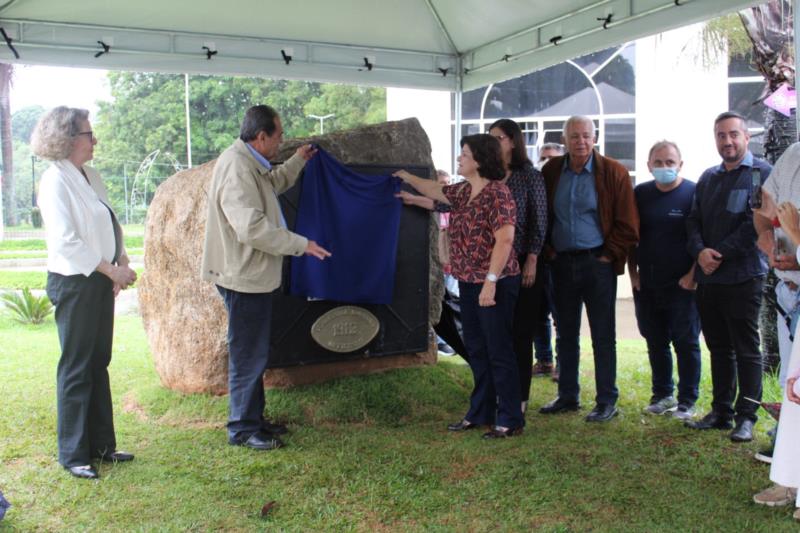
432	109
677	99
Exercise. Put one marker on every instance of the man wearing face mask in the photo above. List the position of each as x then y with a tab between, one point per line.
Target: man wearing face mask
662	276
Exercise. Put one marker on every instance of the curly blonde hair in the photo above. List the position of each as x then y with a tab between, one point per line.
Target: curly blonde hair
54	134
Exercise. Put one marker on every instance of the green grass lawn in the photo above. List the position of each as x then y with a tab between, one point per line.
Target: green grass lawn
20	279
39	254
368	454
15	245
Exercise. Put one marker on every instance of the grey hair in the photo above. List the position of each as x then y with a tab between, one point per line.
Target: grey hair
553	146
576	119
54	134
663	144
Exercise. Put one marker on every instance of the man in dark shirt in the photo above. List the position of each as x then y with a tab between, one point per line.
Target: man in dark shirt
730	277
662	277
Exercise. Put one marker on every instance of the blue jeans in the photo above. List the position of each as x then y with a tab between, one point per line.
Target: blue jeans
580	279
496	397
669	315
249	321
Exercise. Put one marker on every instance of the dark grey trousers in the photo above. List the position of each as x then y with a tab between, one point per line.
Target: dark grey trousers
85	320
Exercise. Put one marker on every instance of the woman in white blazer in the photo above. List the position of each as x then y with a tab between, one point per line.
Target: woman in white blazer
87	267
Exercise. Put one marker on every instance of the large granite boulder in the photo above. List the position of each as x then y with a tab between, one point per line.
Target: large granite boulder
184	316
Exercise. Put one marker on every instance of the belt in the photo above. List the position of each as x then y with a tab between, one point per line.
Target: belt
587	251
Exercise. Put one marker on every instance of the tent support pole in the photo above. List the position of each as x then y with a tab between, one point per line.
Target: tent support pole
457	103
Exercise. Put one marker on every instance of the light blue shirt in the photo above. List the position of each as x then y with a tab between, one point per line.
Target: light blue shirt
746	162
577	223
266	164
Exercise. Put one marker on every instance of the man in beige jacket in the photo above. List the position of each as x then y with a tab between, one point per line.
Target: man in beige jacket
246	239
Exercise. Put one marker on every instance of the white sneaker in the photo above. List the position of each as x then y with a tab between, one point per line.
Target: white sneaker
684	412
765	456
662	406
776	496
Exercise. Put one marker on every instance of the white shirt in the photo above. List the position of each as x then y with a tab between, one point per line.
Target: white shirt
783	184
77	222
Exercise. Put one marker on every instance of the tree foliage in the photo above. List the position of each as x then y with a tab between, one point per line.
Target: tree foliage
147	114
6	145
23	122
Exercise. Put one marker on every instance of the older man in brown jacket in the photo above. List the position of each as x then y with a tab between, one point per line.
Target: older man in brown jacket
246	239
594	224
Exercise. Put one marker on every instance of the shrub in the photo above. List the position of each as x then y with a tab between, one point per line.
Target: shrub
36	217
26	307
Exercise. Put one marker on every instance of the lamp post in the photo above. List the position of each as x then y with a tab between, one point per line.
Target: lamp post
33	181
321	120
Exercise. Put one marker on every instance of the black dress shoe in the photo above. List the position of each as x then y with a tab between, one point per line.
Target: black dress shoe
743	431
463	425
116	457
83	472
273	428
559	406
259	441
602	412
711	421
497	433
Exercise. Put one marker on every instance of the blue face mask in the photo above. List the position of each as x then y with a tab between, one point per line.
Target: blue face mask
665	176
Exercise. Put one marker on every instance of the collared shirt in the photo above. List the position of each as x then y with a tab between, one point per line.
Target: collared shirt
472	228
266	164
721	218
784	186
576	224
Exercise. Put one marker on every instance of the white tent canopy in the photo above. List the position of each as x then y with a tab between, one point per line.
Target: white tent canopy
453	45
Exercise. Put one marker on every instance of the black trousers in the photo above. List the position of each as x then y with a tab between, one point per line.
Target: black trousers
85	320
729	320
526	316
449	326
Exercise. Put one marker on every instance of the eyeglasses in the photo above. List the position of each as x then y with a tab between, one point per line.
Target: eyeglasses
90	133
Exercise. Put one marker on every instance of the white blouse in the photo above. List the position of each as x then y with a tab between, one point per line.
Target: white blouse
77	222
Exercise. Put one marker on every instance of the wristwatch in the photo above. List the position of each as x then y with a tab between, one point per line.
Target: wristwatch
491	277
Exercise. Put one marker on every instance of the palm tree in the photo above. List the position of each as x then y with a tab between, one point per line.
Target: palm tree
769	27
6	146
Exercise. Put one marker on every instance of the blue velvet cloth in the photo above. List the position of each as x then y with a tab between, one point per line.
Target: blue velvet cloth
357	218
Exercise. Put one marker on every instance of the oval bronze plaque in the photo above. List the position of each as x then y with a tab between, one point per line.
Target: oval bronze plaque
345	329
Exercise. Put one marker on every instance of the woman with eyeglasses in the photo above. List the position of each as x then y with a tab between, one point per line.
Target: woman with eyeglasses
86	268
481	233
527	188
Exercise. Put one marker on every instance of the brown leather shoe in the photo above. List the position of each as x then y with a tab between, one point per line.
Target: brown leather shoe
542	369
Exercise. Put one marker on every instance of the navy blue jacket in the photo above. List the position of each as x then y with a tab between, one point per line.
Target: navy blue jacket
722	219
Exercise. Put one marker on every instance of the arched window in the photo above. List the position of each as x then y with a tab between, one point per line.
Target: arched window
601	85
